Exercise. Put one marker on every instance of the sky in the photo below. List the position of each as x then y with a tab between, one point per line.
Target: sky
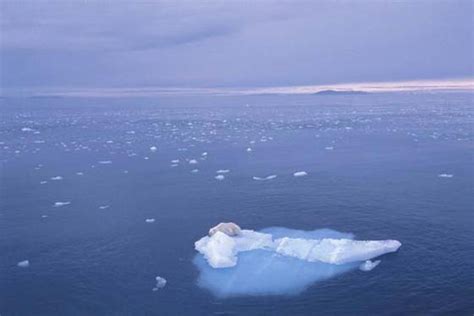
260	44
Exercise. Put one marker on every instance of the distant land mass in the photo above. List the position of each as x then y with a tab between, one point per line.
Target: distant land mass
335	92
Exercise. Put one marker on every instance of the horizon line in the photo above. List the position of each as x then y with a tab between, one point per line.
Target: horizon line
449	85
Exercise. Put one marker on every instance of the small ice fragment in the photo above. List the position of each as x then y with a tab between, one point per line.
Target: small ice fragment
204	154
219	177
195	170
110	142
105	162
23	264
220	171
59	204
56	178
445	175
369	265
270	177
146	158
160	283
80	173
27	129
153	148
329	148
300	174
174	165
125	171
193	161
150	220
43	182
103	207
175	161
249	149
44	216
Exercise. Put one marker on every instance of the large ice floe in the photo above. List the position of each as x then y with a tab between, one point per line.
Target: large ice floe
276	261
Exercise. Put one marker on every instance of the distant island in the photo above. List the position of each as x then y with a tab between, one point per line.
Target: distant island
335	92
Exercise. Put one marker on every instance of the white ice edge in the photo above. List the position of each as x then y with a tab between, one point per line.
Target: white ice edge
221	250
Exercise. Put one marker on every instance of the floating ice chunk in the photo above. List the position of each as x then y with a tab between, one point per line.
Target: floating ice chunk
329	148
270	177
174	165
80	173
220	171
57	178
195	170
105	162
175	161
445	175
27	129
23	264
369	265
300	174
193	161
103	207
204	154
150	220
249	149
248	264
219	177
43	182
59	204
160	283
153	148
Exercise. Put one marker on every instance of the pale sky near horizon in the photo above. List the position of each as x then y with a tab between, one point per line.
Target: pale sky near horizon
109	44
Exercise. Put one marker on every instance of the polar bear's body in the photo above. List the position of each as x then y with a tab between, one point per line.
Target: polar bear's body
230	229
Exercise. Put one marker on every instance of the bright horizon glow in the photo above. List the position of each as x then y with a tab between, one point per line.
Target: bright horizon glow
453	85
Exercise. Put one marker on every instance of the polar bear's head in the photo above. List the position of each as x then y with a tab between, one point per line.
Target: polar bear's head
230	229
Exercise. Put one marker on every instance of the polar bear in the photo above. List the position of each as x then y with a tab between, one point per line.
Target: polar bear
230	229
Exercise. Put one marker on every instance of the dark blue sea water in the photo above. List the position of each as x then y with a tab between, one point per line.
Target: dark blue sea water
373	162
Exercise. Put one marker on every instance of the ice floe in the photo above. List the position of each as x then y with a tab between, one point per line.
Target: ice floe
103	207
150	220
300	174
59	204
220	177
220	171
270	177
57	178
279	260
445	175
153	148
160	283
105	162
23	264
193	161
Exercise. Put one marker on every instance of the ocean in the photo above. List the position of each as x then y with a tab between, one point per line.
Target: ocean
102	195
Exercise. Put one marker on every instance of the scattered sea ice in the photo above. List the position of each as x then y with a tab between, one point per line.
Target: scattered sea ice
193	161
43	182
175	161
23	264
80	173
105	162
153	148
27	129
329	148
249	149
445	175
300	174
103	207
219	177
195	170
369	265
160	283
150	220
56	178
